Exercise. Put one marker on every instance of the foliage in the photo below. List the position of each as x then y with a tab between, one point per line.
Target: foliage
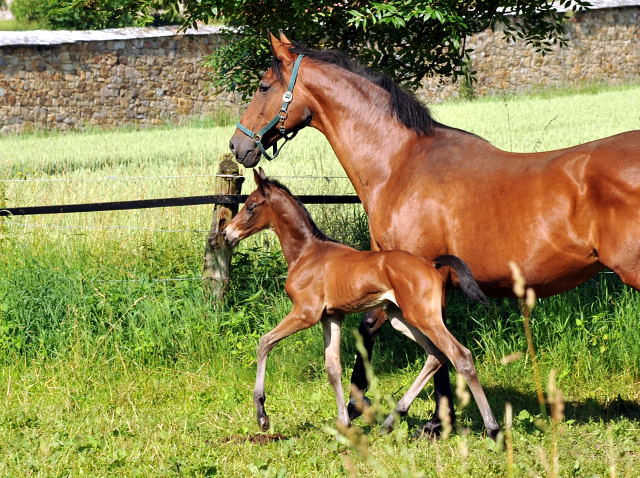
94	14
408	40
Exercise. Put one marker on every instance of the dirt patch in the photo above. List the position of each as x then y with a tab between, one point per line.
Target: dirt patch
259	438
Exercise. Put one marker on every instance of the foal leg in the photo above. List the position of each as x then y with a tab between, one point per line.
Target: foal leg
368	329
461	358
331	326
295	321
433	363
442	388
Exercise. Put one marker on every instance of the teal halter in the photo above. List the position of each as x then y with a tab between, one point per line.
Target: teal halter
287	97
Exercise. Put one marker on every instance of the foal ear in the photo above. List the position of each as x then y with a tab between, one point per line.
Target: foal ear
261	180
281	48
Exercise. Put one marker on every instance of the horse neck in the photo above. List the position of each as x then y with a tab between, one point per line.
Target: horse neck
292	225
362	131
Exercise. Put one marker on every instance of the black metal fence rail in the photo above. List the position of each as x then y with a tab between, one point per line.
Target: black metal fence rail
165	202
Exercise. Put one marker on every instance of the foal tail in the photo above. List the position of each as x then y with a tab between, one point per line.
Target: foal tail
467	283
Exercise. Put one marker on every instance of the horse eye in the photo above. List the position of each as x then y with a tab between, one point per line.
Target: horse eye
262	87
251	207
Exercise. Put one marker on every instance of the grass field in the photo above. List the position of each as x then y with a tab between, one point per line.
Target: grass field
106	371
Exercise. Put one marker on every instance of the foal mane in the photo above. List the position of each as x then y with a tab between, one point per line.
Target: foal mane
315	231
406	108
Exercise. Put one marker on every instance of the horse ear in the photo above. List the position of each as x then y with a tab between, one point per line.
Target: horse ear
261	173
283	38
281	48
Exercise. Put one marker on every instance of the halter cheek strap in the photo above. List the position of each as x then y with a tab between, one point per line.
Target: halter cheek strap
280	118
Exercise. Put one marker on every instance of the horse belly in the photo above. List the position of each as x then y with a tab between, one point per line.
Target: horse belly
562	277
356	283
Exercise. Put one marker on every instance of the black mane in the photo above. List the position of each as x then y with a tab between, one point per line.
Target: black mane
317	233
405	106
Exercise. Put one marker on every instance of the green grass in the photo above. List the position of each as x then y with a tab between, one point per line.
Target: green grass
107	372
15	25
119	418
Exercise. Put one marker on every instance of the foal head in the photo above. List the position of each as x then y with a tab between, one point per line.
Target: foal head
256	215
266	105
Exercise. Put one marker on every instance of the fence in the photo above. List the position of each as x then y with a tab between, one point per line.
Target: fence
217	258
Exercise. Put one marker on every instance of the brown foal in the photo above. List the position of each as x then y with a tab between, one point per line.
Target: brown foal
327	280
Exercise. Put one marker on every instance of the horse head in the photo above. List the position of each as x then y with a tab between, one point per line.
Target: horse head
277	110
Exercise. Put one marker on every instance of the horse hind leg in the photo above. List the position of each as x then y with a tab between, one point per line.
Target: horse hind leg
618	242
625	264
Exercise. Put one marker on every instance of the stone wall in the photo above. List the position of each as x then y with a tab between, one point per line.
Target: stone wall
130	76
604	47
63	80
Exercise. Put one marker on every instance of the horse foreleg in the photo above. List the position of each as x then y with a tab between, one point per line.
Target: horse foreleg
368	329
331	326
295	321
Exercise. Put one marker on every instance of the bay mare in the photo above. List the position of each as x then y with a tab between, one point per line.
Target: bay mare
327	280
430	189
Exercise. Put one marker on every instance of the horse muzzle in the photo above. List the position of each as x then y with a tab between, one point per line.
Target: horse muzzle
245	150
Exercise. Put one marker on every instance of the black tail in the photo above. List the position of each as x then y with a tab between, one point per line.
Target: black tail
467	283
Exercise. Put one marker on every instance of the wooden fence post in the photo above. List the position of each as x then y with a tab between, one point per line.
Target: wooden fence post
217	254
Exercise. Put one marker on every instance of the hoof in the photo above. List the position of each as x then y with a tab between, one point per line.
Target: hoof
493	434
264	423
430	429
355	409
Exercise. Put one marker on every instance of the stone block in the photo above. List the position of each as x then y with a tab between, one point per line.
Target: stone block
132	73
107	92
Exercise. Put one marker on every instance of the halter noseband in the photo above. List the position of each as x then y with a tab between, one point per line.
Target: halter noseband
287	97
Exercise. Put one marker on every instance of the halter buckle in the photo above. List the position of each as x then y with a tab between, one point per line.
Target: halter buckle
283	114
257	137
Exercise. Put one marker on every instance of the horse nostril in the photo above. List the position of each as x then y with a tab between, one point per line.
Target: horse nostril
232	147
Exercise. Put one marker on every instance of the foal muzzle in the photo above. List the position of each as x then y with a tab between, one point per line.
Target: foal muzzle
230	236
